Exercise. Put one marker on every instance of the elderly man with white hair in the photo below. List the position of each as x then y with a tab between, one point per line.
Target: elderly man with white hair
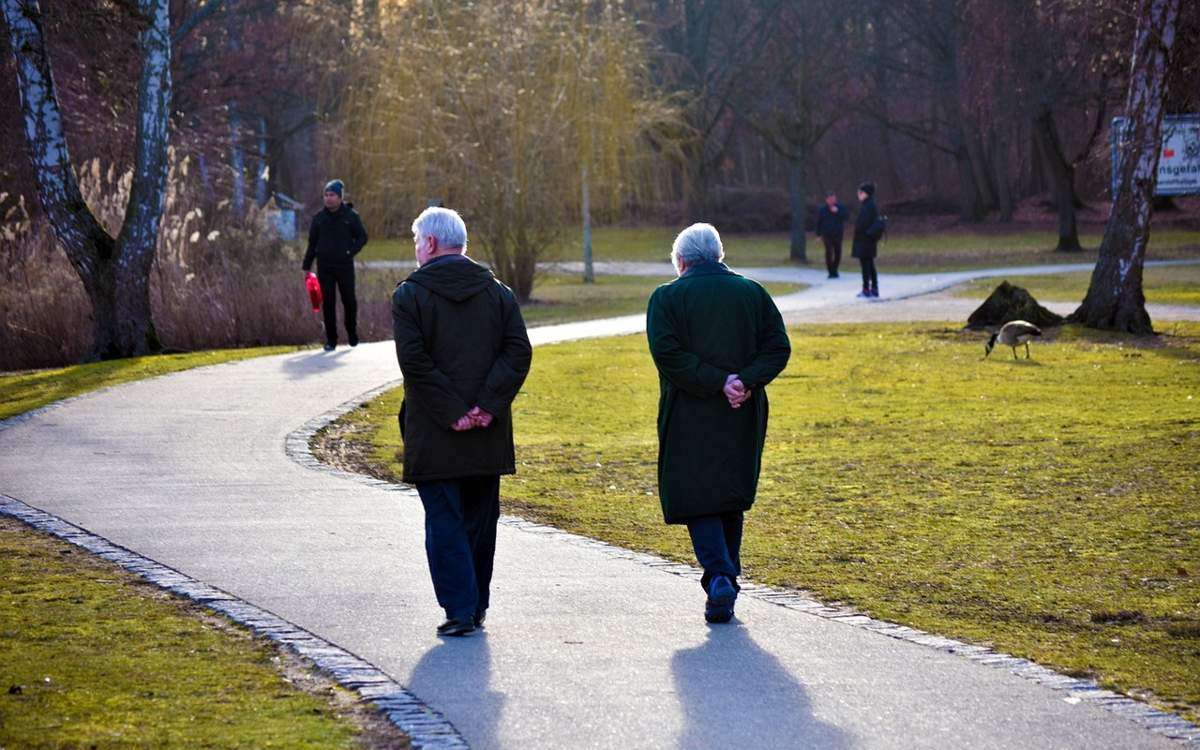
464	353
717	339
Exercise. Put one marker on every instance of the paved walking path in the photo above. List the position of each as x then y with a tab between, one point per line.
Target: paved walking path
586	646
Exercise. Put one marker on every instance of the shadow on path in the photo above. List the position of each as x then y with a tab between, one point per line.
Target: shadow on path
455	676
735	694
313	363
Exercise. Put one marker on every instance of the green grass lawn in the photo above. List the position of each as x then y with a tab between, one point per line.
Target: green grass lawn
930	251
91	657
22	391
1177	285
1045	507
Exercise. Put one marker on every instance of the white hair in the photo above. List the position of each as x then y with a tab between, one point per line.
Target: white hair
698	243
444	225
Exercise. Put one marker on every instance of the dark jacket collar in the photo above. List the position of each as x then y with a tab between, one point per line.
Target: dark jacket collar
706	268
455	281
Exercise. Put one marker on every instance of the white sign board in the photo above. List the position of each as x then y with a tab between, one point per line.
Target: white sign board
1179	160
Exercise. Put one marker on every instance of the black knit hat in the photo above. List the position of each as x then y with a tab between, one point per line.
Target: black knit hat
868	188
334	186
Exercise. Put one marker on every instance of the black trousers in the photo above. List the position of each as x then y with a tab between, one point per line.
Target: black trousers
334	279
870	278
460	541
717	541
833	253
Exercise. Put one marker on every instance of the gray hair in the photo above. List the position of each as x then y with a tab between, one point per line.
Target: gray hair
444	225
698	243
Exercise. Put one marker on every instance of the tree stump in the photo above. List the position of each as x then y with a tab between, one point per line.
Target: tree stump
1010	302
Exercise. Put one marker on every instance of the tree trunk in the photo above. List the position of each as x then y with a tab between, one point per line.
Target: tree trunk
883	134
1114	298
971	202
262	170
982	169
1062	180
798	251
1000	168
236	161
115	273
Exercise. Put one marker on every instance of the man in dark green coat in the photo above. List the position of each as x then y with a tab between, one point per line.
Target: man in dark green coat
717	340
464	353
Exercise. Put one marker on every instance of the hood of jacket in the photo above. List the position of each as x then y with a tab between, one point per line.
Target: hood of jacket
452	278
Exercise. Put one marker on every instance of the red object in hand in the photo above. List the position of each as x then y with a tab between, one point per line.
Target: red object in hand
314	291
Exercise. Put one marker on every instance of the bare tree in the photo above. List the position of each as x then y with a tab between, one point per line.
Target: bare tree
1114	298
800	94
711	49
115	271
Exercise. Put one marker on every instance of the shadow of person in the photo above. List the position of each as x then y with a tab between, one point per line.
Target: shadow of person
735	694
313	363
454	677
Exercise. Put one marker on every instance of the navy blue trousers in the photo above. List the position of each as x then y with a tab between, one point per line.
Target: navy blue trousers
717	540
460	541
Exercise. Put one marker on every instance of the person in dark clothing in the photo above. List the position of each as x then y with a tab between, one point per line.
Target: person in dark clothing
868	228
464	352
717	339
831	226
334	238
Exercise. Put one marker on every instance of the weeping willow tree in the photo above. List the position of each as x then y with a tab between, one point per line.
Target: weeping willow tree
514	113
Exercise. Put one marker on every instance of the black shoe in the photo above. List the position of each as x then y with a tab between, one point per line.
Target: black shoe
457	627
721	596
330	347
479	618
354	340
834	275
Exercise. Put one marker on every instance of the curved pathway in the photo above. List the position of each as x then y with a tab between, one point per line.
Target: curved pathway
586	646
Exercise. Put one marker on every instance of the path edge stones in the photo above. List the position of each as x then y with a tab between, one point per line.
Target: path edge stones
1073	690
425	726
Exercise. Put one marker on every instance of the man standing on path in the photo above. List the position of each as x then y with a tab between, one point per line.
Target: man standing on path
334	238
868	228
831	226
464	353
717	339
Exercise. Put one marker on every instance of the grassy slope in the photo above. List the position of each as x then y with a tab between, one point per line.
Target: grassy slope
103	660
930	251
1178	285
1046	507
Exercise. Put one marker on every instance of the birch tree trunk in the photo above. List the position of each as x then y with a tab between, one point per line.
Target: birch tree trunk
115	272
1114	298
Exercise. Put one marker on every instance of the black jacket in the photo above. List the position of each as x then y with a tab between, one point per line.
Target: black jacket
335	237
830	224
461	342
868	228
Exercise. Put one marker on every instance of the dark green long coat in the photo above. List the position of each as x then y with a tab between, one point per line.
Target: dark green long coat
461	342
703	326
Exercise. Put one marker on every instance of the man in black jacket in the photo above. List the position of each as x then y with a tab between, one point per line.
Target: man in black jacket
831	226
868	228
464	353
334	238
